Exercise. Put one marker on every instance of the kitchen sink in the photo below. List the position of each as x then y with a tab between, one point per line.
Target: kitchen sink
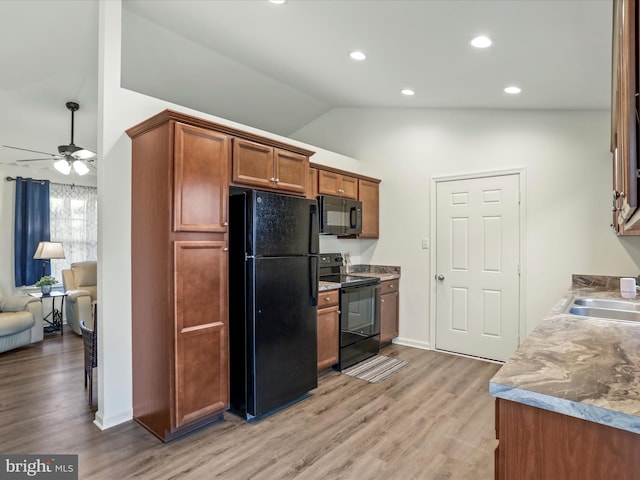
604	308
626	315
606	303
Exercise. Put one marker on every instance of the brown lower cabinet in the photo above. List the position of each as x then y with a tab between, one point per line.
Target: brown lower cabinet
537	444
389	310
328	328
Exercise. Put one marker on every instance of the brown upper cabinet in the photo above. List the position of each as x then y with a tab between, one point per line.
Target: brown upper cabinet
269	168
624	117
200	179
312	183
369	195
333	183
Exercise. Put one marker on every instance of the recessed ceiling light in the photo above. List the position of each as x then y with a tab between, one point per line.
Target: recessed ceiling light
407	91
357	55
278	2
481	42
512	90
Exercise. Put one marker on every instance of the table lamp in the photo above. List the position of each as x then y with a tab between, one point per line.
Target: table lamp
47	251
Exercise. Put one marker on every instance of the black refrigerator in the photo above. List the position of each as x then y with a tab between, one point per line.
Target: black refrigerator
273	294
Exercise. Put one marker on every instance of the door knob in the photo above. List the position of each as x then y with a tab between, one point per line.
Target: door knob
440	277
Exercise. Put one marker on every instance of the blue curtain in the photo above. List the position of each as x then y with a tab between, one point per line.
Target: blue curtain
31	227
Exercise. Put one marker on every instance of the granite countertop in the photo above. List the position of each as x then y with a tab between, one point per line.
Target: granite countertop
324	286
584	367
384	272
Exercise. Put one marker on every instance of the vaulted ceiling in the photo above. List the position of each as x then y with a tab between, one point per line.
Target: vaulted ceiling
278	67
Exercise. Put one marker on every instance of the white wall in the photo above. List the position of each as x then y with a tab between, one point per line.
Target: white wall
568	206
7	201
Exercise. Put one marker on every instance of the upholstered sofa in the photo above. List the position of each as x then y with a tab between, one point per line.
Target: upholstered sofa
80	284
20	322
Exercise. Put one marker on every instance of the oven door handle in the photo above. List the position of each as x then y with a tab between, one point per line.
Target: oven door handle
376	315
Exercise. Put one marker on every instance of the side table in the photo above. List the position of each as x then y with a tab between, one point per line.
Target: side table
54	317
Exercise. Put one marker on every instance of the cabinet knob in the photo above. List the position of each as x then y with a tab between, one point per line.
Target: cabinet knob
326	299
391	286
225	224
272	179
277	180
225	249
382	300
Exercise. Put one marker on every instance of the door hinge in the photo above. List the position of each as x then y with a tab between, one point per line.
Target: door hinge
518	269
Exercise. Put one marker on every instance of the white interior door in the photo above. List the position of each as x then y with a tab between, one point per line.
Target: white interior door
477	271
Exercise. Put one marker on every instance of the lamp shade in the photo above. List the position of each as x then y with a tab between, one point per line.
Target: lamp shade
47	250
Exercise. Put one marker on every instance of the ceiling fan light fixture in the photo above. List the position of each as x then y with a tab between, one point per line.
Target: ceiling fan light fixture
83	154
80	167
63	166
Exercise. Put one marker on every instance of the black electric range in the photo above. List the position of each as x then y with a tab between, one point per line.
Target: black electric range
359	311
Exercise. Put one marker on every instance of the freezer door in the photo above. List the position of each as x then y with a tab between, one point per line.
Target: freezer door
281	225
284	324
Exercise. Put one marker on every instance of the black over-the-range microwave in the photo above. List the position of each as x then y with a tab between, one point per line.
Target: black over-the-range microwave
339	216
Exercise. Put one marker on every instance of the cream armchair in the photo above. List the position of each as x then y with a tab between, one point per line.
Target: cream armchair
80	284
20	322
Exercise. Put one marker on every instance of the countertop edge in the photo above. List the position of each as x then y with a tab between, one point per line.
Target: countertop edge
591	413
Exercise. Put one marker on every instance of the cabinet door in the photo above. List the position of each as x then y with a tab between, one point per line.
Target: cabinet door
624	134
252	164
328	183
348	187
389	310
290	171
368	194
312	184
201	363
201	159
328	325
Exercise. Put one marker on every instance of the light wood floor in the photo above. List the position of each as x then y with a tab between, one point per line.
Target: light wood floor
432	420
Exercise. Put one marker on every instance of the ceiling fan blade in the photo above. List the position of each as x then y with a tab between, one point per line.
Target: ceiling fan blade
27	150
35	159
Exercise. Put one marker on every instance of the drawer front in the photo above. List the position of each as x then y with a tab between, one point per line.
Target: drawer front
389	286
327	298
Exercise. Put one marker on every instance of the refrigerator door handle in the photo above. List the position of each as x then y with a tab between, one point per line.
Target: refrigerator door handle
314	246
313	280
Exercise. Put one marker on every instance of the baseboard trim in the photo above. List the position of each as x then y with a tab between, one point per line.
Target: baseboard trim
407	342
112	420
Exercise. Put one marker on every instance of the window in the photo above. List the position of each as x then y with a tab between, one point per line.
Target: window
74	222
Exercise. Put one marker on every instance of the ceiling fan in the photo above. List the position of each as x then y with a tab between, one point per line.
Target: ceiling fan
69	156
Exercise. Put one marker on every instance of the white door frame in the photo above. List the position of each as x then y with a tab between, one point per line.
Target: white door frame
521	172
